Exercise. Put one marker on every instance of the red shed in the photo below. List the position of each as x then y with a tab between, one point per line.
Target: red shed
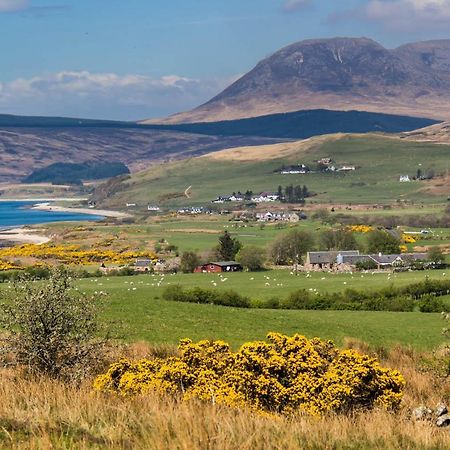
216	267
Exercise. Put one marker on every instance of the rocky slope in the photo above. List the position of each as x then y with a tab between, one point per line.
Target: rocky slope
342	74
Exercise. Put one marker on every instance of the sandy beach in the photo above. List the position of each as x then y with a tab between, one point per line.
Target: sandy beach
95	212
23	235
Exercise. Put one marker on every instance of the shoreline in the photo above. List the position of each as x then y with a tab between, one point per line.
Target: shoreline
87	211
23	235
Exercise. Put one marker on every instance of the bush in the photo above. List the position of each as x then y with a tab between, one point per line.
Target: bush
189	262
252	258
285	375
50	327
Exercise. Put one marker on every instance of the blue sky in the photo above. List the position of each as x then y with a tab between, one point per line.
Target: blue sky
131	59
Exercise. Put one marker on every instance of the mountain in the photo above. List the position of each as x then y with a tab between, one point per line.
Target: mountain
338	74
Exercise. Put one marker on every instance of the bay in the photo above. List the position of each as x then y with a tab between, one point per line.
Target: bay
17	213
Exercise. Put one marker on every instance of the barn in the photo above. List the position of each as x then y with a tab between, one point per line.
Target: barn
217	267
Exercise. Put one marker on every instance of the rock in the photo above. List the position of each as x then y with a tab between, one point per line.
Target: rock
443	421
421	413
441	409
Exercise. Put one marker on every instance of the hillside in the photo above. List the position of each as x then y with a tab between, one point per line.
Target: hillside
379	162
304	124
24	149
339	74
438	133
33	143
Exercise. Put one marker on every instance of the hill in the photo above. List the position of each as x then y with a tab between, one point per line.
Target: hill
24	149
339	74
438	133
379	162
33	143
304	124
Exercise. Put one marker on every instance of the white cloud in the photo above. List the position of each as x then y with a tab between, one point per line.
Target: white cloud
105	95
407	14
295	5
14	5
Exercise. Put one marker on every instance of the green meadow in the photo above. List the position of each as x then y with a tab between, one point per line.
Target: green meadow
136	310
379	161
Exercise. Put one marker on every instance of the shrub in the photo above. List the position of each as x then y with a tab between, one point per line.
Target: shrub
50	328
252	257
285	375
189	261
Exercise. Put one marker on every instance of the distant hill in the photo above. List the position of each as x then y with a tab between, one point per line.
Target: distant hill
439	133
305	124
70	173
379	161
338	74
31	143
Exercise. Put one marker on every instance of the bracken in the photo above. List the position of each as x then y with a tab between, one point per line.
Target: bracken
285	375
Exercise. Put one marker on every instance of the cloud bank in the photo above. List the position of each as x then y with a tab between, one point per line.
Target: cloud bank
105	95
14	5
404	15
295	5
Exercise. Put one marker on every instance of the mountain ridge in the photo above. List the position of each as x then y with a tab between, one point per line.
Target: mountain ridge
340	74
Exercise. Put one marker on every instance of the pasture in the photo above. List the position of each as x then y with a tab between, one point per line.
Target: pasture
135	307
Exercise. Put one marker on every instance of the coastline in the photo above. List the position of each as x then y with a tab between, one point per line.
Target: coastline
23	235
89	211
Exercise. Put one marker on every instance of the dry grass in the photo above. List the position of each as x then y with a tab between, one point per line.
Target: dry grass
48	414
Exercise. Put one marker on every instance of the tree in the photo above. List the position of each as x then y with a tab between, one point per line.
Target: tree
291	247
338	240
50	327
189	261
379	241
436	255
252	258
228	247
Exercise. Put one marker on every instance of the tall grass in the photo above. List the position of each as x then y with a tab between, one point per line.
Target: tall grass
40	413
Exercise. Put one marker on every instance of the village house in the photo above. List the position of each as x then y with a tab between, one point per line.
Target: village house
143	265
294	170
218	267
153	208
277	217
346	168
404	179
326	260
265	197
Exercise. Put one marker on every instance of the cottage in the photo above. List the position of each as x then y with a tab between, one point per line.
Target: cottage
153	208
404	179
143	265
217	267
327	259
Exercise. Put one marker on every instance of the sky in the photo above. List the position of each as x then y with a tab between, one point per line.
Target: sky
135	59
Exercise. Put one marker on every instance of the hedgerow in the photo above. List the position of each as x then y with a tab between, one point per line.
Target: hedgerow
285	376
423	296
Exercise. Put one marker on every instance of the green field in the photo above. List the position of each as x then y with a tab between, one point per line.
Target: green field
379	160
135	307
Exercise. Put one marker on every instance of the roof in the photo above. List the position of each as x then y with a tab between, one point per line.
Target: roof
353	259
385	259
224	263
329	256
143	262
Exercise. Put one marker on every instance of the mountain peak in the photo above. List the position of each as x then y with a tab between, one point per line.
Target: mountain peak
339	73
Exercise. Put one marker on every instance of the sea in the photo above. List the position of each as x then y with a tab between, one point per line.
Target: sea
17	213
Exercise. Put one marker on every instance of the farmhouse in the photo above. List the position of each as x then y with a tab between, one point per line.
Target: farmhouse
326	259
217	267
143	265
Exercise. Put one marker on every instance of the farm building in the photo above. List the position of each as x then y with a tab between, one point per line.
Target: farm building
143	265
217	267
326	259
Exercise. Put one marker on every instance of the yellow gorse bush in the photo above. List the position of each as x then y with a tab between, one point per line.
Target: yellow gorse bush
284	376
73	254
408	239
361	228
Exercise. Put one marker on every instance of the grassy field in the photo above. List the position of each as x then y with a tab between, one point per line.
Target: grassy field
379	160
135	306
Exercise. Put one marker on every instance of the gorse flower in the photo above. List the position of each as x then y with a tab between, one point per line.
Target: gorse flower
284	376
